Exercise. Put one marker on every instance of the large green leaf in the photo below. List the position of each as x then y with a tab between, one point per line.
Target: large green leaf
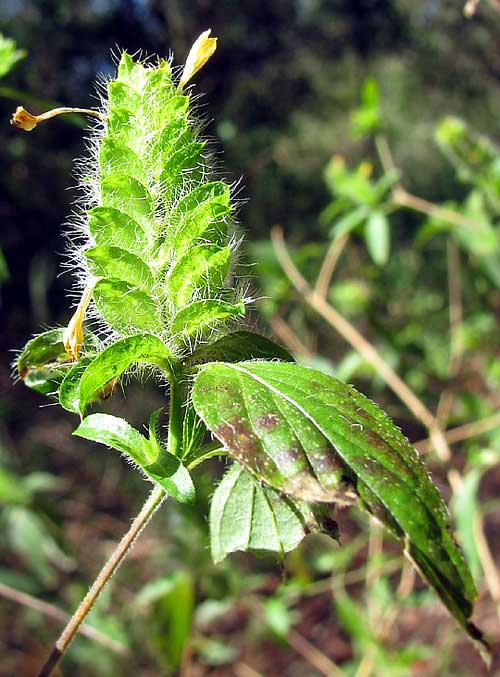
308	434
158	465
116	157
126	194
125	307
114	360
43	349
248	516
69	391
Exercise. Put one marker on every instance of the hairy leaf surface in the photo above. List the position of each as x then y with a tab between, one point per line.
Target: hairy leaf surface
125	307
201	315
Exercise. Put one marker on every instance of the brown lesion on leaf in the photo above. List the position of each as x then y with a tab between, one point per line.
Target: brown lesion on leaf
304	486
267	422
244	446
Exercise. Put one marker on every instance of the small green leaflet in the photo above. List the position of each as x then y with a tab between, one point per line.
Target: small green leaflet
317	439
158	465
248	516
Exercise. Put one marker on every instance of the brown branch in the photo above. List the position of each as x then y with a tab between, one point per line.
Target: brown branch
357	341
329	264
285	333
314	656
464	432
403	198
57	614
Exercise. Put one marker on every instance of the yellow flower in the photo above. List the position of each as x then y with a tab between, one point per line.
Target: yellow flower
73	334
201	51
24	120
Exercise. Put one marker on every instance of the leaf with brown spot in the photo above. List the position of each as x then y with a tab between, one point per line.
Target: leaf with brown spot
328	442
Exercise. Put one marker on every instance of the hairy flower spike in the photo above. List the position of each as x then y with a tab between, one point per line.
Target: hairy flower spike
201	51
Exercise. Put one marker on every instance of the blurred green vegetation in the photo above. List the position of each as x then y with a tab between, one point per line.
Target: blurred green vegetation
307	97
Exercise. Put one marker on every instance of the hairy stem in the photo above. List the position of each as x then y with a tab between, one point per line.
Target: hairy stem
67	635
174	444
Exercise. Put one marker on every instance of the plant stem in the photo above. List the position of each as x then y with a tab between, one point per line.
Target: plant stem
148	509
174	443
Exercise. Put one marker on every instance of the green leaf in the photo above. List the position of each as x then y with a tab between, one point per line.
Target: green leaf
185	159
12	490
377	237
174	598
349	222
238	346
466	510
44	362
305	432
47	348
122	96
69	392
109	261
204	209
193	432
202	315
124	307
111	227
202	266
163	469
245	515
117	358
124	193
29	536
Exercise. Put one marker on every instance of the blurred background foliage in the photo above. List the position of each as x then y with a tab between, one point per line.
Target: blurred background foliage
367	130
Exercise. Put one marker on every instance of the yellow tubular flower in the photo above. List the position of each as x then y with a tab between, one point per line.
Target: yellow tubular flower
73	334
201	51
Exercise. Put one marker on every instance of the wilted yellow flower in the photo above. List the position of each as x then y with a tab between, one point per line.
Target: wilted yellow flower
25	120
201	51
73	334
